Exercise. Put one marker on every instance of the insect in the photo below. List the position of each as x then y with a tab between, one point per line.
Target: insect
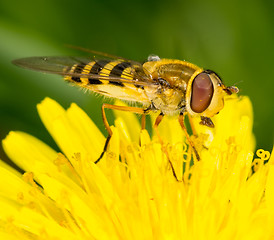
171	87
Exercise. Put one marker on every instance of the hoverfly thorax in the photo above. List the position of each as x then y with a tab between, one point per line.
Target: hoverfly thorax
171	77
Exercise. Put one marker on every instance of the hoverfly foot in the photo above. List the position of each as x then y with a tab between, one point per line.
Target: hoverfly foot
104	150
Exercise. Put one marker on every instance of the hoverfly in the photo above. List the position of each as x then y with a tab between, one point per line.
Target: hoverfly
171	87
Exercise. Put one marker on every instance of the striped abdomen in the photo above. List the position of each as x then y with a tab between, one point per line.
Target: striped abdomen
102	76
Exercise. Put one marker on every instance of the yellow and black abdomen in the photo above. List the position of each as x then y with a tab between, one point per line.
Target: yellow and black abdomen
110	78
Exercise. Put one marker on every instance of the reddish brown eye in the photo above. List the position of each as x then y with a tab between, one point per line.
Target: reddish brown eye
202	92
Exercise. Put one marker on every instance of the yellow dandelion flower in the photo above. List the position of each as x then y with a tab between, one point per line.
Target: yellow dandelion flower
132	192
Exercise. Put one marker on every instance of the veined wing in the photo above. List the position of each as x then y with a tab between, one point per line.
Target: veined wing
77	68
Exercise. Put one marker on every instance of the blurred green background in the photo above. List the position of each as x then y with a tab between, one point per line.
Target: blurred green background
233	38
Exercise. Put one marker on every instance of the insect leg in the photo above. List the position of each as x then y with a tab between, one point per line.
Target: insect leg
145	112
194	132
181	121
157	122
115	107
143	121
104	150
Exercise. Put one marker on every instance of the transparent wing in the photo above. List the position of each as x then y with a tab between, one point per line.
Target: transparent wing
62	65
55	65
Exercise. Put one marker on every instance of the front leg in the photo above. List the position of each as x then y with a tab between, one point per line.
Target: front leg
155	126
207	122
181	121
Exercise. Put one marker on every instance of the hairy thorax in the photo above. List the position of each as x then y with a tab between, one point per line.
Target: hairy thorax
171	77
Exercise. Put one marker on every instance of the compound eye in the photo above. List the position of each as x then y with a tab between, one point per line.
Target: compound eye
202	92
